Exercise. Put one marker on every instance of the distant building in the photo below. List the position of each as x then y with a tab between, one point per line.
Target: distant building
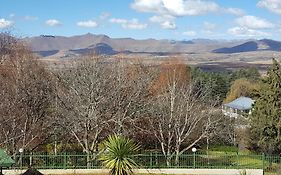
238	107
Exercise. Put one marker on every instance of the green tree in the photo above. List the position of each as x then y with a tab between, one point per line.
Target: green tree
252	74
216	84
118	155
265	119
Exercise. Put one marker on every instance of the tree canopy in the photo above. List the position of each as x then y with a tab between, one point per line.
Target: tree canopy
266	116
242	87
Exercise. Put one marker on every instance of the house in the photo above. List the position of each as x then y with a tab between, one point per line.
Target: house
238	107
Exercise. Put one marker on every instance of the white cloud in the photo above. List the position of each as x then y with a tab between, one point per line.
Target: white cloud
190	33
246	32
249	25
178	8
189	7
118	20
53	22
175	7
168	25
271	5
165	21
89	23
5	23
159	19
129	24
234	11
181	7
253	22
154	6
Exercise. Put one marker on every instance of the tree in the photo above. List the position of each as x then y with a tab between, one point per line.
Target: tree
230	132
265	119
118	155
127	94
171	71
179	115
81	93
8	44
26	98
97	98
251	74
214	83
242	87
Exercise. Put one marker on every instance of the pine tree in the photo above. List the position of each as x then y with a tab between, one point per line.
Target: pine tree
266	116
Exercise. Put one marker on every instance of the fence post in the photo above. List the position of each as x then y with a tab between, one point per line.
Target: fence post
194	161
156	159
64	160
237	163
263	159
30	159
151	160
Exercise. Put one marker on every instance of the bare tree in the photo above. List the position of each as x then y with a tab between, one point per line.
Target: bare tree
128	97
98	97
26	95
179	116
81	98
8	45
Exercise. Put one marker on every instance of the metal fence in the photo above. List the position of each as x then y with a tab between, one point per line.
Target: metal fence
212	161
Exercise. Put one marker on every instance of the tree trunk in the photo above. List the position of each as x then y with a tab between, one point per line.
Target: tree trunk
168	160
177	154
177	158
88	160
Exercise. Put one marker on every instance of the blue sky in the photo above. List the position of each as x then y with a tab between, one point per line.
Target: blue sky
141	19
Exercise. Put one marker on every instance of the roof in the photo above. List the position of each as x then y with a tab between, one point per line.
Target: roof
5	159
241	103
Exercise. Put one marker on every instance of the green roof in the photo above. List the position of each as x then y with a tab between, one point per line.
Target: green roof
5	159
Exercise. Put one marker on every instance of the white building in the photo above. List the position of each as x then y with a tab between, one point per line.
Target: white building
238	107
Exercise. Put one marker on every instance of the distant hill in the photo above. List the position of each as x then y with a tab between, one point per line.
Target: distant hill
49	45
100	49
61	46
46	53
258	45
245	47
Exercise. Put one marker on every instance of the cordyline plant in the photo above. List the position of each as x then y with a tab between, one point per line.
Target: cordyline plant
118	155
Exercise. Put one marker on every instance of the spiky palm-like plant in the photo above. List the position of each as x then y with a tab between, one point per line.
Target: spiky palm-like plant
118	155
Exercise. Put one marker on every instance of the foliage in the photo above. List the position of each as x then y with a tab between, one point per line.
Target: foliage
251	74
218	84
265	119
224	148
242	87
118	155
171	72
214	83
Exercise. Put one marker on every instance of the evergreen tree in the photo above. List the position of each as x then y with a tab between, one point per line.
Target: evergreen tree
251	74
215	84
266	116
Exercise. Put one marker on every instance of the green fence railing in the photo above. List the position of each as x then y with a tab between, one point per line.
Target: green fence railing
211	161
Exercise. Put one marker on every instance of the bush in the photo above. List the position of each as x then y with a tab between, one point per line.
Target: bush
224	148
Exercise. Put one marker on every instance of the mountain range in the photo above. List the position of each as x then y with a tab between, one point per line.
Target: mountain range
61	46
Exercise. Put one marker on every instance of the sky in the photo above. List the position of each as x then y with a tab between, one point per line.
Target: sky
142	19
